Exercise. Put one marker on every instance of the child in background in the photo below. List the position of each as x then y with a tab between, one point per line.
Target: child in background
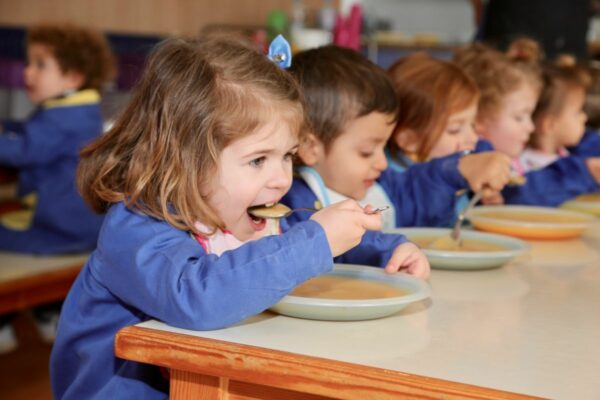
509	90
66	67
438	104
352	110
210	131
559	118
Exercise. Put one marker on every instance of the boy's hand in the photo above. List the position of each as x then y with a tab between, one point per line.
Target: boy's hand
409	258
345	223
489	171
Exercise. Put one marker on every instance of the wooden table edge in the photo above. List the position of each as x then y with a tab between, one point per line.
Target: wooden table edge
284	370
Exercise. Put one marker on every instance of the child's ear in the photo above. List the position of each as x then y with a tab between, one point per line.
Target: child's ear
74	79
407	140
311	150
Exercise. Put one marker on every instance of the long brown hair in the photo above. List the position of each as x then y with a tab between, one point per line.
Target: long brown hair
195	97
429	90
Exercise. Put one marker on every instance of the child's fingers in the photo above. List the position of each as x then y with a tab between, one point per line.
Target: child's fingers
371	222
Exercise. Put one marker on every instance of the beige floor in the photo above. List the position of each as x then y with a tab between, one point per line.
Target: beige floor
24	372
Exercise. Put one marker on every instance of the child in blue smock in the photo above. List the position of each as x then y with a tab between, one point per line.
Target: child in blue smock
510	88
352	110
66	68
211	130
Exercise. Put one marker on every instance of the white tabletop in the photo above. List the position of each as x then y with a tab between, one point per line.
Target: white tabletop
530	327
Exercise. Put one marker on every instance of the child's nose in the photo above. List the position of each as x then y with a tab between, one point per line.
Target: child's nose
381	161
281	177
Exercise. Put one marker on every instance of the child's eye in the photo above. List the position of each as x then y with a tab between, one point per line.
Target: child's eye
366	154
289	156
455	130
258	162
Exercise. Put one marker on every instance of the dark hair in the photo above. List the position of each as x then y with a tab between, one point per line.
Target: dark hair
77	49
339	85
429	91
194	98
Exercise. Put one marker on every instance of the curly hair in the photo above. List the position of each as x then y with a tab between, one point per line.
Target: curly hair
194	98
77	49
498	74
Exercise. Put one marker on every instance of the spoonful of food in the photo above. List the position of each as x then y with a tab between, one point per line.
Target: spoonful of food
279	210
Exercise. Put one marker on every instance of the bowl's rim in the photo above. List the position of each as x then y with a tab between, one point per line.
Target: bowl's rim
477	215
515	248
419	288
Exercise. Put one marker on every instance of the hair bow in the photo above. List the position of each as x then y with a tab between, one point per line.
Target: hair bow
280	52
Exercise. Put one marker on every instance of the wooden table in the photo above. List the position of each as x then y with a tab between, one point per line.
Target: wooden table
27	281
529	327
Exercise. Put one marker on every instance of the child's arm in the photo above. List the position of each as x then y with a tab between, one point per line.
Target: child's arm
165	274
39	140
551	186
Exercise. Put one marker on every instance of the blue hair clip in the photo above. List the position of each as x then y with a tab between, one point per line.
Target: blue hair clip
280	52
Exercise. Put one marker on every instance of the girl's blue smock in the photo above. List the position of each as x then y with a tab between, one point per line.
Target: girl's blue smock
145	269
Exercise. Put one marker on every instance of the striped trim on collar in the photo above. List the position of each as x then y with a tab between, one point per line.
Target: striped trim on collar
87	96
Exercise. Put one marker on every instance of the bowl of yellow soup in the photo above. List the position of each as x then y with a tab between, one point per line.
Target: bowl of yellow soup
477	250
353	293
588	203
530	222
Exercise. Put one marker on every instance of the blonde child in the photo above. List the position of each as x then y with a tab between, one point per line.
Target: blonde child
559	118
510	89
67	66
210	131
352	110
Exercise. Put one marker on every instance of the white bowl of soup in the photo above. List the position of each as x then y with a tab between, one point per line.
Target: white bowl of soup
530	222
477	250
353	293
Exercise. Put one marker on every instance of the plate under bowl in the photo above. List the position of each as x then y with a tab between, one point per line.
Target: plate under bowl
509	248
530	222
356	310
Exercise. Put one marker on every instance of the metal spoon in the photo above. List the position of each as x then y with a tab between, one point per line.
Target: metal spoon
453	241
282	211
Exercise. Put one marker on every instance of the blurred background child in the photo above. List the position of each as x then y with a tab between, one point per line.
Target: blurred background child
67	65
210	131
438	107
510	89
559	117
352	109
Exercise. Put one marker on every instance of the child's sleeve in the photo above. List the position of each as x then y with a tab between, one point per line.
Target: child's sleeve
551	186
37	141
166	275
425	194
375	249
589	146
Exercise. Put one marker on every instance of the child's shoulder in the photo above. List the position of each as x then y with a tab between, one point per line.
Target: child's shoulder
125	228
